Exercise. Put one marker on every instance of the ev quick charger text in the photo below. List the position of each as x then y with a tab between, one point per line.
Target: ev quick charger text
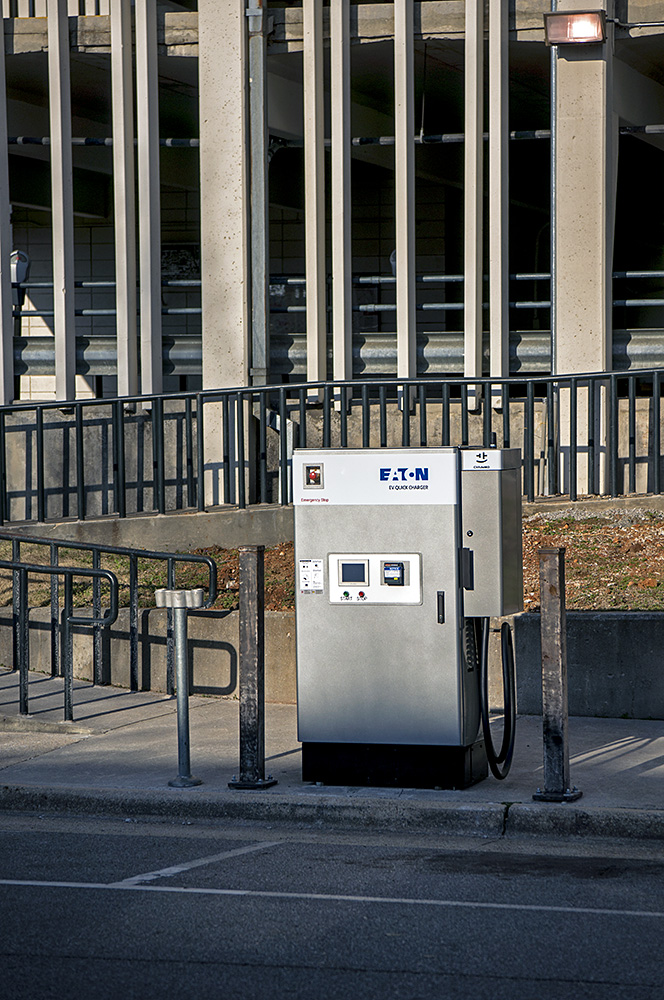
406	476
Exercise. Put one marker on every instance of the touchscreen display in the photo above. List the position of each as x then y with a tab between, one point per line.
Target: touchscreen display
355	572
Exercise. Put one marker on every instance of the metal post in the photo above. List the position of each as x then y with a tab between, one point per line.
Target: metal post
180	601
557	787
23	641
68	649
252	671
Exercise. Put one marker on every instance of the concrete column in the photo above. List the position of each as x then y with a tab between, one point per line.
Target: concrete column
149	200
585	176
586	143
124	197
314	189
222	55
404	184
62	200
222	89
498	191
6	309
473	188
342	289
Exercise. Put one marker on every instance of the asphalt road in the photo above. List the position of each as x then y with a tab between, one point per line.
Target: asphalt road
131	909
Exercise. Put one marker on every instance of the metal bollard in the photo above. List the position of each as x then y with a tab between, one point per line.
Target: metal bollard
557	786
252	671
180	601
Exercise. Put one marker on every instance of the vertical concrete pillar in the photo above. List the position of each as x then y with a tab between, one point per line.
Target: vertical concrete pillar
586	143
6	309
404	183
149	200
124	197
473	189
62	200
224	216
584	176
314	189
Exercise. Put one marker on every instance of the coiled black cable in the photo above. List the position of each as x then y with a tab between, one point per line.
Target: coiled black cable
501	762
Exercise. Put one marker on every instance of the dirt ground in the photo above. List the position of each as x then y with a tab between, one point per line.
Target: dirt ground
614	560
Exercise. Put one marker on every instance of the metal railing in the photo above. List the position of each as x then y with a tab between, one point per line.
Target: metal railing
97	621
21	631
582	434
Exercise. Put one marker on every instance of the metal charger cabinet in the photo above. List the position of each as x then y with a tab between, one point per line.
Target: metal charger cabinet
387	666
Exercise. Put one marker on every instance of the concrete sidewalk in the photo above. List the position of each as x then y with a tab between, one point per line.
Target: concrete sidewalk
119	754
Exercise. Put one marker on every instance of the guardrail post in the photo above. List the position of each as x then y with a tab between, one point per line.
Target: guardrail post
179	601
557	785
252	671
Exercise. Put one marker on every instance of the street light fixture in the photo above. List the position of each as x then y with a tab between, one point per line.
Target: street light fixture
579	27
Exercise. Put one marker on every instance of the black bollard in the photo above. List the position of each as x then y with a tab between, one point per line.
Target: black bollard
252	671
557	785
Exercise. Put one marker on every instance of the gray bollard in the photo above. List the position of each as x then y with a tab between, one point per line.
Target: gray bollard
557	785
252	671
180	601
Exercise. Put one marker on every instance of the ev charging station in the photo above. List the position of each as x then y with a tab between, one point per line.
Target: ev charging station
400	556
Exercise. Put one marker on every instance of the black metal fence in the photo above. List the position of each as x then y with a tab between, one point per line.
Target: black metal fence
61	621
583	434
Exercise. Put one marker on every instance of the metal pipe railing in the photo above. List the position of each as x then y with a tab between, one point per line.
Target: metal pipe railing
96	551
21	570
578	435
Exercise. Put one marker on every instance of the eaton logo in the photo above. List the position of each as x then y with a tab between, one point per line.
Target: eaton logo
404	475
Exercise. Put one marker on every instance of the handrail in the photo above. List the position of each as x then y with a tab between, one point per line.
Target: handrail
69	619
97	550
232	446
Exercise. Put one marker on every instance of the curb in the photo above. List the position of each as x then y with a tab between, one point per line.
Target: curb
567	820
27	724
487	820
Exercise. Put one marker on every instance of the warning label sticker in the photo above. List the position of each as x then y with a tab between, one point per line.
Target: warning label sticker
311	576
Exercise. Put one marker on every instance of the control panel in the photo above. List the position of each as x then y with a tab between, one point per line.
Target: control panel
375	578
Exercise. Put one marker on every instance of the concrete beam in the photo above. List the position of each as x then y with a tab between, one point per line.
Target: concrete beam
177	34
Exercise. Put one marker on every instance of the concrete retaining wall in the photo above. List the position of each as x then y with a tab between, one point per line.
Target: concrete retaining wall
615	663
614	658
213	645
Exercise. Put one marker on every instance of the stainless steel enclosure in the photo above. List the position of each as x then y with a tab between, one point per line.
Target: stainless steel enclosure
491	516
384	655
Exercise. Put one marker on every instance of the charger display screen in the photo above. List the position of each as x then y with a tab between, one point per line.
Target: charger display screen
354	572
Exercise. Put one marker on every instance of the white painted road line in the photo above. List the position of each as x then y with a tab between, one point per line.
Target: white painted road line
335	898
135	880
